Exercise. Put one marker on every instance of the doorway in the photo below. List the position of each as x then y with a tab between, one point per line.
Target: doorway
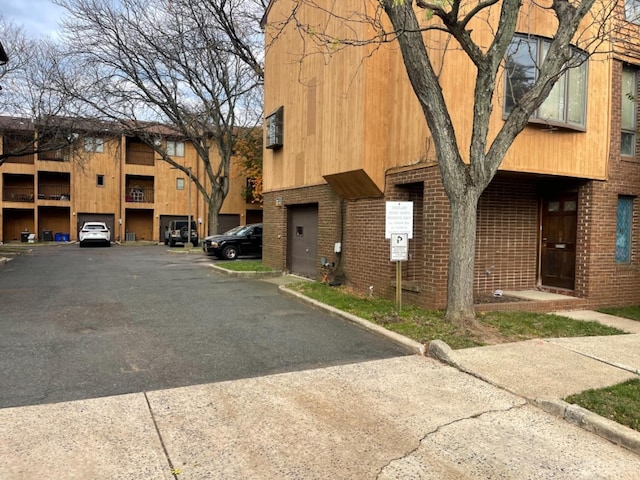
302	240
558	242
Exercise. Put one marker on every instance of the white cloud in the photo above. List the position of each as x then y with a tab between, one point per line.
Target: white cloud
39	18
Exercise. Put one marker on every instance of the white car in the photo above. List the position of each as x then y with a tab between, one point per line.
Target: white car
95	232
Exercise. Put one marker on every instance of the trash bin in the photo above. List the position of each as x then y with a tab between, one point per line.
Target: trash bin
58	237
47	236
24	236
64	237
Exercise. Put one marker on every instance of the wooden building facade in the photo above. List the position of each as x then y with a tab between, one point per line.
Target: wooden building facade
115	179
344	134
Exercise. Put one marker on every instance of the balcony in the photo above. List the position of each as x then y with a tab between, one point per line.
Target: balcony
17	194
137	194
54	192
54	156
17	144
138	153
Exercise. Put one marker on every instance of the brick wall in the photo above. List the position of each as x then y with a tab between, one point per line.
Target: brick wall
507	236
275	223
599	278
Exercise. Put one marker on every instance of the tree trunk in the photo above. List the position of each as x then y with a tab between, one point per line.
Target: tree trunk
464	209
214	210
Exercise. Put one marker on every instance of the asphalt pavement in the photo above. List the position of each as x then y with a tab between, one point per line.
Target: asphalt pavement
472	413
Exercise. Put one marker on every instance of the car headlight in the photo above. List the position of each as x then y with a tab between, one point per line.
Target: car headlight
214	244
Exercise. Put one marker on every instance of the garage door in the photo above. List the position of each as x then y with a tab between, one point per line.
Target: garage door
302	240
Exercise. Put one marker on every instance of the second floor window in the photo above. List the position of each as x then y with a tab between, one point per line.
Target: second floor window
629	112
565	105
175	149
632	11
94	144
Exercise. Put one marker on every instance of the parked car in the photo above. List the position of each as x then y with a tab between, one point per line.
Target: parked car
242	240
178	232
96	233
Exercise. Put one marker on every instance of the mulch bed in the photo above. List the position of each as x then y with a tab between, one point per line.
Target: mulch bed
490	298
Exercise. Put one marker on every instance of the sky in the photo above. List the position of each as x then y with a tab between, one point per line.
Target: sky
37	17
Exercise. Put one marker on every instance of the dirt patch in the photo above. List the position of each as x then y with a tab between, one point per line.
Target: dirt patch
490	298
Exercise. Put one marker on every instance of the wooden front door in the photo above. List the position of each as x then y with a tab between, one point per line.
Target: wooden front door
558	252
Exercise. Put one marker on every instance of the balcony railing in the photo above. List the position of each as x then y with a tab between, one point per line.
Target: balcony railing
138	157
27	159
54	156
17	194
54	192
139	195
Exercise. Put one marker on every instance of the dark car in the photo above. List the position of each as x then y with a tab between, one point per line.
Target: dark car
242	240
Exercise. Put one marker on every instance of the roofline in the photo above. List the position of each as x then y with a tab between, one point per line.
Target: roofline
263	20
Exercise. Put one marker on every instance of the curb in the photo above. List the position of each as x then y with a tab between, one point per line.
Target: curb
257	275
603	427
592	422
412	345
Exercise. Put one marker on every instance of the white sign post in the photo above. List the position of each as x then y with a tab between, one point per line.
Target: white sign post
399	229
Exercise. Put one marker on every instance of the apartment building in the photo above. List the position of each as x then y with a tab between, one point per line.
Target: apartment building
111	178
345	134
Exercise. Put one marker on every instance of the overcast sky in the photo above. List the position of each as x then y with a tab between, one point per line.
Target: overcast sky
37	17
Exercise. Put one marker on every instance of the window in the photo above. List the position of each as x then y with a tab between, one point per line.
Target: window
566	103
175	149
629	112
100	180
632	11
623	231
274	129
94	144
179	183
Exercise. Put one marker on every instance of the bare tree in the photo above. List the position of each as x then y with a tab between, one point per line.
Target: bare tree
140	63
32	112
465	175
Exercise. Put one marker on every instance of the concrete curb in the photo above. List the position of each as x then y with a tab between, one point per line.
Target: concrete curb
416	347
608	429
256	275
614	432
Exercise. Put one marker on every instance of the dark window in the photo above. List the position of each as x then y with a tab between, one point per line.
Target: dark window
100	180
629	115
566	103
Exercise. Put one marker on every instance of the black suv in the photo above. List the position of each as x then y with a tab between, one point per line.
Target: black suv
178	232
242	240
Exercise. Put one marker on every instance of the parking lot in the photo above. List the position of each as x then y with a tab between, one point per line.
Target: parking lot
83	323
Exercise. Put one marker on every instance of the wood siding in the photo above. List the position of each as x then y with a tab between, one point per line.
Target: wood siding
354	110
59	213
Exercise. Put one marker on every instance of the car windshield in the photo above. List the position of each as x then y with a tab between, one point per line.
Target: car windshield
94	226
239	230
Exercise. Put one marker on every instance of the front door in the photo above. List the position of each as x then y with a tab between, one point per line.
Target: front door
558	251
302	240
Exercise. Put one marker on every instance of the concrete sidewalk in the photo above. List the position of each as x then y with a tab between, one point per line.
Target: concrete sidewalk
402	418
544	371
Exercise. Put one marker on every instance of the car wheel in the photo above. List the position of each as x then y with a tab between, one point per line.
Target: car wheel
81	244
230	252
184	232
108	244
172	243
166	241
